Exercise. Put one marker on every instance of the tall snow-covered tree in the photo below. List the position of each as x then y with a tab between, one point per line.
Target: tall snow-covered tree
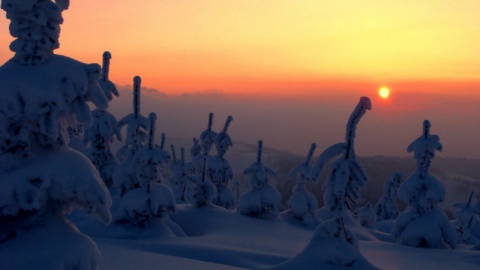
220	170
262	200
41	179
423	223
137	126
386	207
346	177
303	204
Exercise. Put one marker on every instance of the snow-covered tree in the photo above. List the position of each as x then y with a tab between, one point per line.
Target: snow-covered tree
201	191
423	223
137	125
41	179
346	177
207	140
262	200
386	207
180	177
303	203
467	217
148	197
220	171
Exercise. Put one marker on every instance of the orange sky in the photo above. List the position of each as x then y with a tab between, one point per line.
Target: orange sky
189	45
303	50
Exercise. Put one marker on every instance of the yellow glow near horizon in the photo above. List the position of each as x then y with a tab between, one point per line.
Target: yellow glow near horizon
384	92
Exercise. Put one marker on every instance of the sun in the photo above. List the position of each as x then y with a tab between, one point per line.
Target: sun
384	92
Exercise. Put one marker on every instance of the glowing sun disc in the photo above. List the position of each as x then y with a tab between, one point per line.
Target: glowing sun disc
384	92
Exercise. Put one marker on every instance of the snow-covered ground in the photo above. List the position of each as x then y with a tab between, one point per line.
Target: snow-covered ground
221	239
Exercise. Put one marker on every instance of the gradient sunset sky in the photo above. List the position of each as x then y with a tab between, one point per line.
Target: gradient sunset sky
294	51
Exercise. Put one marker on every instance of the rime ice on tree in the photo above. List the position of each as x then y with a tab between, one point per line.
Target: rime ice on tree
42	95
220	171
303	204
347	176
262	200
386	207
207	140
423	223
136	126
365	216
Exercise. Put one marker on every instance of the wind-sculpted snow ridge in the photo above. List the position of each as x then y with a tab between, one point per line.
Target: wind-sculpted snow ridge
423	223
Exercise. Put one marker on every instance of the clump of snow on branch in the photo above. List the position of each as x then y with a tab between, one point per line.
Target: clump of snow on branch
423	223
36	26
386	207
262	200
303	204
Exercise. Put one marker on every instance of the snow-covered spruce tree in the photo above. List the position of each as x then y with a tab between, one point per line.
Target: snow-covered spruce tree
346	177
303	204
207	140
386	207
149	198
103	130
137	125
333	246
220	170
201	191
180	177
262	200
41	178
467	218
423	223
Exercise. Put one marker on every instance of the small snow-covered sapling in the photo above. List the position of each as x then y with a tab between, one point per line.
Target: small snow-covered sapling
386	207
108	87
303	204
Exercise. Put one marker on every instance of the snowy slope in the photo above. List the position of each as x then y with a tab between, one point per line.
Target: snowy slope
220	239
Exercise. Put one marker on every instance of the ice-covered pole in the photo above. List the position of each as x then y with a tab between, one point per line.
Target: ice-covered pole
106	65
136	96
363	105
259	151
152	117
